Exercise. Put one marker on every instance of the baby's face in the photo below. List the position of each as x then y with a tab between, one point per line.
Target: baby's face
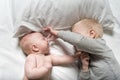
42	42
35	42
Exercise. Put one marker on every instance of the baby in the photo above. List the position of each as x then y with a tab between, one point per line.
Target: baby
39	62
86	36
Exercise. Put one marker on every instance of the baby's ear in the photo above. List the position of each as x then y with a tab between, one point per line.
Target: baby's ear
92	34
35	48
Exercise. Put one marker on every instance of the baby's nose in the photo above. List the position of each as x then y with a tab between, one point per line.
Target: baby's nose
46	39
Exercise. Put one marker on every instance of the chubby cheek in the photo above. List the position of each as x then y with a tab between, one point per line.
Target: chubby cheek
45	45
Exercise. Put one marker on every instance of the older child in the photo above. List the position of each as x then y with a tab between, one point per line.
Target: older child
86	35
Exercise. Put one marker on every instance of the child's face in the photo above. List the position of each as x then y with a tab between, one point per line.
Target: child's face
81	30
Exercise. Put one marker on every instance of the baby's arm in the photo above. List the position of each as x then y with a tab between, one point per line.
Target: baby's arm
63	59
32	71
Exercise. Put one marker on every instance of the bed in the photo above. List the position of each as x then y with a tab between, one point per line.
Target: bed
11	56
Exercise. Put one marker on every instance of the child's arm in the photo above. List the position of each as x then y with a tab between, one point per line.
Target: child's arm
86	44
90	45
87	75
84	75
32	71
63	59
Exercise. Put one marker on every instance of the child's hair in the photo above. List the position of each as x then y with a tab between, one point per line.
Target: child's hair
91	24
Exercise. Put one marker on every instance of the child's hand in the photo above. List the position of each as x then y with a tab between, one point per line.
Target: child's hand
51	37
77	55
85	61
51	31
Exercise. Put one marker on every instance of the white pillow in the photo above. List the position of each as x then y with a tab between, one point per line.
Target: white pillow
99	10
62	14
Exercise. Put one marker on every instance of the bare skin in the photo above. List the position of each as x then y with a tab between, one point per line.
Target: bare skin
39	62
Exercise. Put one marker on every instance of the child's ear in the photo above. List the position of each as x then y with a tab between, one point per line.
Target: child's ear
92	34
35	48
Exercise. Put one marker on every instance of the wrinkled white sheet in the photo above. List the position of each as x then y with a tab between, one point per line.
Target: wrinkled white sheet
11	56
113	41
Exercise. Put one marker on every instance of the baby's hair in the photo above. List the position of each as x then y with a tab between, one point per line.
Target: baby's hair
28	40
25	47
91	24
20	38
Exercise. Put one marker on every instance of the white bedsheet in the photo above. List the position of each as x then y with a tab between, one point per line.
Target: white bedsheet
113	41
11	57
